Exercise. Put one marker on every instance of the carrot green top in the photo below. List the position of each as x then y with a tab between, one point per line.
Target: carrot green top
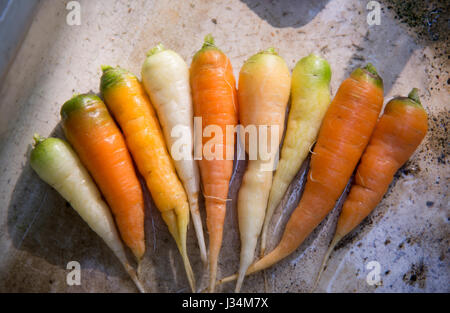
369	74
112	76
208	44
78	102
261	54
157	49
42	148
412	100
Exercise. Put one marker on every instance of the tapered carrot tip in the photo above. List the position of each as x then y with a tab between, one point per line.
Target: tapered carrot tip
134	277
189	272
333	244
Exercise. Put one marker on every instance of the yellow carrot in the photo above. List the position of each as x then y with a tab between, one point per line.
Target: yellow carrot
310	98
128	102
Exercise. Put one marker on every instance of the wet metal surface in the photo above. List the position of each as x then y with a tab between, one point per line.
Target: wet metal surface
408	233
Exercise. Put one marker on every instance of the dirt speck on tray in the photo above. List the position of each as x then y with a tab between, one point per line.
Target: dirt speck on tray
428	19
416	275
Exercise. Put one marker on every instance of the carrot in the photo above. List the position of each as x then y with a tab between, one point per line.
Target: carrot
57	164
100	145
165	76
214	96
310	98
397	135
263	94
344	134
126	99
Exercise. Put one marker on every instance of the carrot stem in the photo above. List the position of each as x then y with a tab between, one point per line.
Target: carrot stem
37	139
208	41
158	48
414	95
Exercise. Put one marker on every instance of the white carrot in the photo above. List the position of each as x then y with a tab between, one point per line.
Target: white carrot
264	86
57	164
165	76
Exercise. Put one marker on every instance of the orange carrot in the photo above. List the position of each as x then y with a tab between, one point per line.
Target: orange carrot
397	135
214	97
101	147
344	134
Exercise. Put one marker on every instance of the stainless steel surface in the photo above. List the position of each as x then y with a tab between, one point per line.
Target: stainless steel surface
15	18
408	233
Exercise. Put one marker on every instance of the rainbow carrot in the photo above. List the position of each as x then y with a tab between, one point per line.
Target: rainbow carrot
93	134
264	87
128	102
343	136
397	135
214	96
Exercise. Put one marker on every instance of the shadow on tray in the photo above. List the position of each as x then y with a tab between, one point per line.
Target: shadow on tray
286	13
45	226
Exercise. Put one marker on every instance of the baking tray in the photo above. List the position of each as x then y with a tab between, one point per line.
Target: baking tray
407	234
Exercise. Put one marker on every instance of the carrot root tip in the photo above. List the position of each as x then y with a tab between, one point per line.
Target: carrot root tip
333	244
134	277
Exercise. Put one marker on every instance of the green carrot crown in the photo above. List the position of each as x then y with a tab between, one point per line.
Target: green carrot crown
313	66
112	76
158	48
414	96
368	73
37	139
413	99
77	102
270	50
262	53
208	44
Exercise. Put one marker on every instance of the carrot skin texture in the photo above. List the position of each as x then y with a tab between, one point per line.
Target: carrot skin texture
263	94
101	147
131	107
214	97
57	164
397	135
310	98
343	136
165	77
